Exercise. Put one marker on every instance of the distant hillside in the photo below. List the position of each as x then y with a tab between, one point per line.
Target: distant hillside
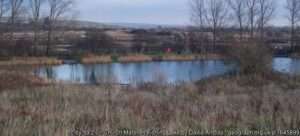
89	24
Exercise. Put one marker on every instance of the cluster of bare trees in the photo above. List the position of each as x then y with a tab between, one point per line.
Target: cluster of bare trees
250	17
209	13
40	13
293	8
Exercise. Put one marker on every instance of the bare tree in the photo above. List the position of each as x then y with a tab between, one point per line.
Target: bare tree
198	11
15	10
57	9
252	12
4	7
216	16
239	12
266	11
35	6
293	9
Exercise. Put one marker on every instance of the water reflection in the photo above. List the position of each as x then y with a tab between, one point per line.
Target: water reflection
287	65
131	73
170	72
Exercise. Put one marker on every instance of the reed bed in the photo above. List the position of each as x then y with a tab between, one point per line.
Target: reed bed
17	61
248	103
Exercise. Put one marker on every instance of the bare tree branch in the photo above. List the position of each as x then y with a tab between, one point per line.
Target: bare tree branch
252	13
266	12
35	6
293	15
4	8
198	12
216	16
15	8
57	8
239	12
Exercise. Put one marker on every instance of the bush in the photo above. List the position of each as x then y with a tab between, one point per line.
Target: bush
115	58
252	57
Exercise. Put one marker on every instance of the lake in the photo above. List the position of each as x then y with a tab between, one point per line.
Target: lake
160	72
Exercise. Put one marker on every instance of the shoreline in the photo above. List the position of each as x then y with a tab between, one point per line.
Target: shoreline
139	58
30	61
94	59
295	55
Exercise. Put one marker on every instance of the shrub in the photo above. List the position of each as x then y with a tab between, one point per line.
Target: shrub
252	57
115	58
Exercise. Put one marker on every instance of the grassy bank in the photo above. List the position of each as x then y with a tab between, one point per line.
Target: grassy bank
91	59
245	102
15	79
146	58
17	61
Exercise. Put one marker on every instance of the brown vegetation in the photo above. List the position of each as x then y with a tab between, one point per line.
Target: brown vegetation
30	61
257	99
90	59
174	57
18	79
256	103
252	57
135	58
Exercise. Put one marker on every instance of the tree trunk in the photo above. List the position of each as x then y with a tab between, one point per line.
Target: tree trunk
293	37
214	38
241	32
35	39
49	42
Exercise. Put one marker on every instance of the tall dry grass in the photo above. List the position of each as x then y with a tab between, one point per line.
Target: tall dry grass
17	61
225	103
96	59
90	58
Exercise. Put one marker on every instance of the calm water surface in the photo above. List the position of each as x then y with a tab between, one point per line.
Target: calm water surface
287	65
169	72
127	73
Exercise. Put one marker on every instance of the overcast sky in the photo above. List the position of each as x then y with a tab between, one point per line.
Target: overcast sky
173	12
